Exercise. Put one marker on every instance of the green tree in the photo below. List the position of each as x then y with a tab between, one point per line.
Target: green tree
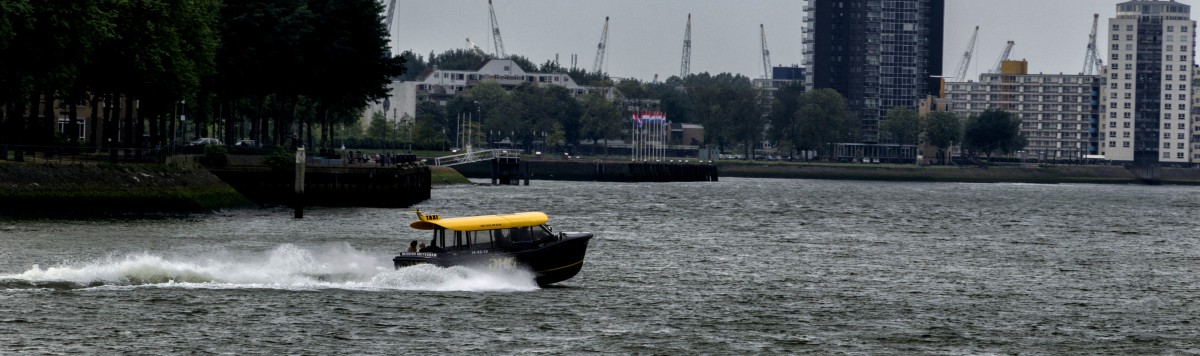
601	119
902	125
379	128
942	130
346	54
785	129
823	119
993	130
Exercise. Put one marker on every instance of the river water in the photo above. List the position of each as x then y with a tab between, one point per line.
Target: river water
733	267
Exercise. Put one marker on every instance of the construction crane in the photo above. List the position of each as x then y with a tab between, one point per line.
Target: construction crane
391	14
391	9
965	63
685	63
1003	57
600	48
1092	63
765	53
475	48
496	32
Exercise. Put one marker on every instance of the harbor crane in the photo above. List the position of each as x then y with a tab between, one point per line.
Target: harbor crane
766	54
599	66
965	63
391	15
1092	63
1003	57
499	43
475	48
685	63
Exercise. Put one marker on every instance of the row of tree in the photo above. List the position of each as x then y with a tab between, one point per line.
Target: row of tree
736	115
260	69
993	131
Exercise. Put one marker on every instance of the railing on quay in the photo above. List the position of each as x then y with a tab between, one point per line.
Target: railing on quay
470	157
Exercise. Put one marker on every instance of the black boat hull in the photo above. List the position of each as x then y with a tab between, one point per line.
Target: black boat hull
551	262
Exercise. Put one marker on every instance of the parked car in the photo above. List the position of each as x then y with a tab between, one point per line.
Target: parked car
246	143
205	141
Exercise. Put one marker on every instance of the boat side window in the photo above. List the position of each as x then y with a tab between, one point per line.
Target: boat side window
521	235
502	238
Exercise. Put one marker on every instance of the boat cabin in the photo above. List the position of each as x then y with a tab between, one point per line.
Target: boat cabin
487	233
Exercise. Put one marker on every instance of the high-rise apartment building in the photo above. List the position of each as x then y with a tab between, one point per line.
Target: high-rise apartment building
1059	112
879	54
1151	48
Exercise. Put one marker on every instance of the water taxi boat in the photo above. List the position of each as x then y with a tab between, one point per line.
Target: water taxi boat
510	240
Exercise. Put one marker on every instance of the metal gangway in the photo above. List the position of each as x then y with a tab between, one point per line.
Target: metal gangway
471	157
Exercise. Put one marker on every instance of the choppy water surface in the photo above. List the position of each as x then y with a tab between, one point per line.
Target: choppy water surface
739	266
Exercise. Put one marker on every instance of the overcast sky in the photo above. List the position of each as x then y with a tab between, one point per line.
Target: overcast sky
646	36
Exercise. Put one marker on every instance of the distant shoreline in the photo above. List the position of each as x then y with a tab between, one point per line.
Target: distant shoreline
1053	174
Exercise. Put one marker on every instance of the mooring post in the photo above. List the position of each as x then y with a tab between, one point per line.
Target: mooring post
299	202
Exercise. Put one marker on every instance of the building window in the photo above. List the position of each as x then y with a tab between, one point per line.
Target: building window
1112	143
1125	144
1126	123
1179	155
1170	28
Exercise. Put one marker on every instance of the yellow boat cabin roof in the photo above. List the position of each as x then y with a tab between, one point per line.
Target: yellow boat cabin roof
477	223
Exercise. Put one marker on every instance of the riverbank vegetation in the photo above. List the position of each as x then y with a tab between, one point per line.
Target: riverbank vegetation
104	189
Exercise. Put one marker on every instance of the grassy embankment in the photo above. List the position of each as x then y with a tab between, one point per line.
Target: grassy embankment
106	190
445	176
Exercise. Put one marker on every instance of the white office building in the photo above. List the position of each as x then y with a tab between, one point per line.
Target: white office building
441	85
